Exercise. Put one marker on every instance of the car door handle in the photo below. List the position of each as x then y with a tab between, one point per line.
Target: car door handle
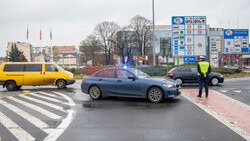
100	79
119	81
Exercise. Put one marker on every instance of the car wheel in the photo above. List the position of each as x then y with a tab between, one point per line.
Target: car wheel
215	81
155	95
95	92
179	81
61	84
11	85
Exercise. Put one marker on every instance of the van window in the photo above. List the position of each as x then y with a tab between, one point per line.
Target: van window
50	67
13	68
33	67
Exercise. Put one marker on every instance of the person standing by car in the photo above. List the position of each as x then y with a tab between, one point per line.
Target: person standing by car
204	69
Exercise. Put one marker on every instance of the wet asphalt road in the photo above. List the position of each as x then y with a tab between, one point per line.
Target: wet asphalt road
112	119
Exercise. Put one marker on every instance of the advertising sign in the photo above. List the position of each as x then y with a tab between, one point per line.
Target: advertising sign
236	40
189	36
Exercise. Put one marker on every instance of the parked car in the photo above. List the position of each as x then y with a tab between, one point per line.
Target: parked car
14	75
128	83
188	74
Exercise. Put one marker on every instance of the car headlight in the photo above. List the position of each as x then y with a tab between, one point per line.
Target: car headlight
169	85
70	76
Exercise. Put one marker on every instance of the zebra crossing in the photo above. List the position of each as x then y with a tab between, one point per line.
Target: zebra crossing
35	116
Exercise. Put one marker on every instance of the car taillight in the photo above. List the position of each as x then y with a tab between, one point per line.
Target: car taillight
83	80
170	74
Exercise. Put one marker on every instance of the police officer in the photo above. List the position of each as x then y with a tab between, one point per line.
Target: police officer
204	70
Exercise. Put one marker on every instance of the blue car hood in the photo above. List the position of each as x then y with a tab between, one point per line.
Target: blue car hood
162	80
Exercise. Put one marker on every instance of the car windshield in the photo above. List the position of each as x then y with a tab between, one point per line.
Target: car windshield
138	73
61	69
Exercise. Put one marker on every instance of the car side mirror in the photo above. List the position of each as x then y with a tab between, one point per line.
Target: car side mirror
131	77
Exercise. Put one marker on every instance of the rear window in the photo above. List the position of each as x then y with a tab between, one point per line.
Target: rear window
33	67
109	73
184	69
13	68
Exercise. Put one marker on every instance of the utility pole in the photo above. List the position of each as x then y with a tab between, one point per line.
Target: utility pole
153	11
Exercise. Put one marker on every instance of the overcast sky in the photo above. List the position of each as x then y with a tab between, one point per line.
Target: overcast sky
72	20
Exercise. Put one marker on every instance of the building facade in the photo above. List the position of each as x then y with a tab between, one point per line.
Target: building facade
42	54
22	46
65	56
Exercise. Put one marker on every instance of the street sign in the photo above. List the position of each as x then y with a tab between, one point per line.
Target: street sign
144	58
189	36
189	59
236	40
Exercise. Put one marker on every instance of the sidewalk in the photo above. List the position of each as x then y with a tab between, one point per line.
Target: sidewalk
232	113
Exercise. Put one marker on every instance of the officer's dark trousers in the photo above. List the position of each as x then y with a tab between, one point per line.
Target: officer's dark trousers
202	81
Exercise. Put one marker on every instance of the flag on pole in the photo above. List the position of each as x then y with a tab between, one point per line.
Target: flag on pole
50	34
40	34
27	36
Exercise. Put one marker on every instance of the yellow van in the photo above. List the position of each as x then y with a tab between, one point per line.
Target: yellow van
14	75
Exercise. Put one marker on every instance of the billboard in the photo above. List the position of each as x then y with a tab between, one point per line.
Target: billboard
236	40
189	36
216	45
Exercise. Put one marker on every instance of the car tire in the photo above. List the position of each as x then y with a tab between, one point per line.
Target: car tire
61	84
179	80
10	85
95	92
214	81
155	95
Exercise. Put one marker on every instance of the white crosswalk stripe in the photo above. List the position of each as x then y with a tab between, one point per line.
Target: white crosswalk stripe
37	122
16	130
50	94
52	132
36	108
43	102
50	99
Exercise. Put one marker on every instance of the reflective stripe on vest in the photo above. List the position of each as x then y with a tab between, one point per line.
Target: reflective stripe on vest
203	67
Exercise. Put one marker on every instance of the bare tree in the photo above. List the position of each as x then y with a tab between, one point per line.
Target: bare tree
106	31
90	47
124	43
142	34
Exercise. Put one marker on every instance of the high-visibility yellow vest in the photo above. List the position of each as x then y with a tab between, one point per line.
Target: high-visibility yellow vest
203	67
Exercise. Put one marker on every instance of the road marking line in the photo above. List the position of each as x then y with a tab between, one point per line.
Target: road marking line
44	103
49	98
15	130
220	118
36	108
30	118
55	133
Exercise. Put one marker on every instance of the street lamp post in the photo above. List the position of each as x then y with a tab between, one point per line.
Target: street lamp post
153	12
